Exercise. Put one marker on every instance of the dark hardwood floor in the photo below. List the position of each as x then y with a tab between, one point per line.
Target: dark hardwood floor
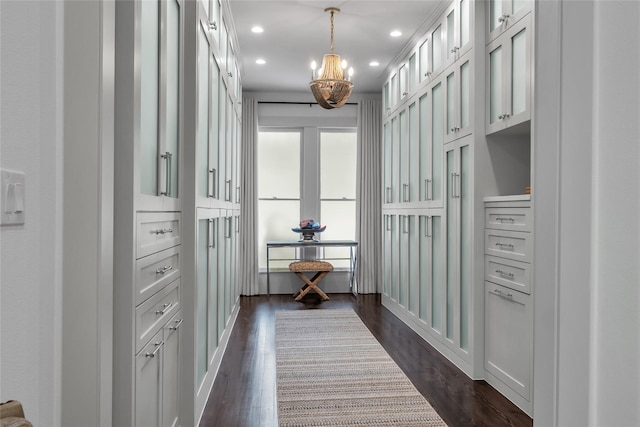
244	392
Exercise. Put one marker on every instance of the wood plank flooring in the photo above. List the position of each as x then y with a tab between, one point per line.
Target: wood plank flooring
244	392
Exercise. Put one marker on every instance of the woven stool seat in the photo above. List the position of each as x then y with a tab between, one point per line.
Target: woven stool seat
321	269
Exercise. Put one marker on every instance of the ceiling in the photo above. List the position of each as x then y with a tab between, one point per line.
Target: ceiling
297	32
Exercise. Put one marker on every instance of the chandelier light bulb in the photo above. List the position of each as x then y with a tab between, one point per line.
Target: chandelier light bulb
344	64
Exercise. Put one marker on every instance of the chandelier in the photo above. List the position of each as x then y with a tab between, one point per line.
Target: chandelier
331	89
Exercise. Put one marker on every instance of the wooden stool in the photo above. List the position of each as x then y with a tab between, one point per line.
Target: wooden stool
321	269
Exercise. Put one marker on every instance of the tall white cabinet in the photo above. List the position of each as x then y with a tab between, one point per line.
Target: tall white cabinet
456	129
177	130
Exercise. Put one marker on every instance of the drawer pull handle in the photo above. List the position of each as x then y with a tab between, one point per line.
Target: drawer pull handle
504	273
507	219
164	269
165	307
176	326
162	231
505	245
503	294
153	353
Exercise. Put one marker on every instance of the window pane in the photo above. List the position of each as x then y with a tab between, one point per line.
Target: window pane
149	59
340	219
338	165
279	165
276	218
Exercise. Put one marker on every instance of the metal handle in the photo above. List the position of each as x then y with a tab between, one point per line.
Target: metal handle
211	235
504	245
455	49
405	93
176	326
405	192
227	190
238	194
164	269
212	183
503	219
213	26
428	188
387	222
162	231
158	347
504	17
167	184
405	224
427	74
504	273
227	228
503	294
429	226
455	180
387	194
504	116
165	307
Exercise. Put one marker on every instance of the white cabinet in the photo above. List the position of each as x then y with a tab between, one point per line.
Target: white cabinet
509	62
508	301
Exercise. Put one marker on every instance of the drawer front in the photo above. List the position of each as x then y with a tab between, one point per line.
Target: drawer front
513	219
509	337
508	244
156	231
152	314
155	271
506	272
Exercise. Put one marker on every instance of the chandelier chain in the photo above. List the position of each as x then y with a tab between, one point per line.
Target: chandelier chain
331	32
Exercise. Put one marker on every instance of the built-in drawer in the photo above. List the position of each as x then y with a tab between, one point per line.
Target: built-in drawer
152	314
508	244
508	338
155	271
156	231
507	272
513	219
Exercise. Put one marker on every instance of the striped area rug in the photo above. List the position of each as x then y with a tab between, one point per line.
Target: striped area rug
331	371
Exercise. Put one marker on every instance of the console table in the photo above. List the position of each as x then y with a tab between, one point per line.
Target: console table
351	244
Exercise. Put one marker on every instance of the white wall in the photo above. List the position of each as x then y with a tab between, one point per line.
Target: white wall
31	257
587	205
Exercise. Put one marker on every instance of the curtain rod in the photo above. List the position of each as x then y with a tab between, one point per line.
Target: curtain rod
298	103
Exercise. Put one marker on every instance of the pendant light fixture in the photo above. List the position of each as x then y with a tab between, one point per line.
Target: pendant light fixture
330	88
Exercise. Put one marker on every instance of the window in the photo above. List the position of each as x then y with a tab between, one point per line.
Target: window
297	181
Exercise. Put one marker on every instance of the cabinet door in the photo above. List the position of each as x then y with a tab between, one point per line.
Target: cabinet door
222	145
437	143
386	197
425	70
403	81
503	14
413	188
407	227
458	100
149	383
204	138
386	251
458	245
509	78
171	372
160	105
395	160
424	152
457	24
403	166
508	337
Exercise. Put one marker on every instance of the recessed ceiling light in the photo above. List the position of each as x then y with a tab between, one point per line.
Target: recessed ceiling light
257	29
395	33
374	63
260	61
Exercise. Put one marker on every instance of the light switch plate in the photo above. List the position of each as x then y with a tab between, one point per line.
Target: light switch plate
12	197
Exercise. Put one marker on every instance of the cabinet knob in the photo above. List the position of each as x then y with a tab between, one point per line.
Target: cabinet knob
504	17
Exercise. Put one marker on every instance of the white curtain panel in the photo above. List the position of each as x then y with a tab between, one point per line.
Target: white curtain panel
248	256
369	197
